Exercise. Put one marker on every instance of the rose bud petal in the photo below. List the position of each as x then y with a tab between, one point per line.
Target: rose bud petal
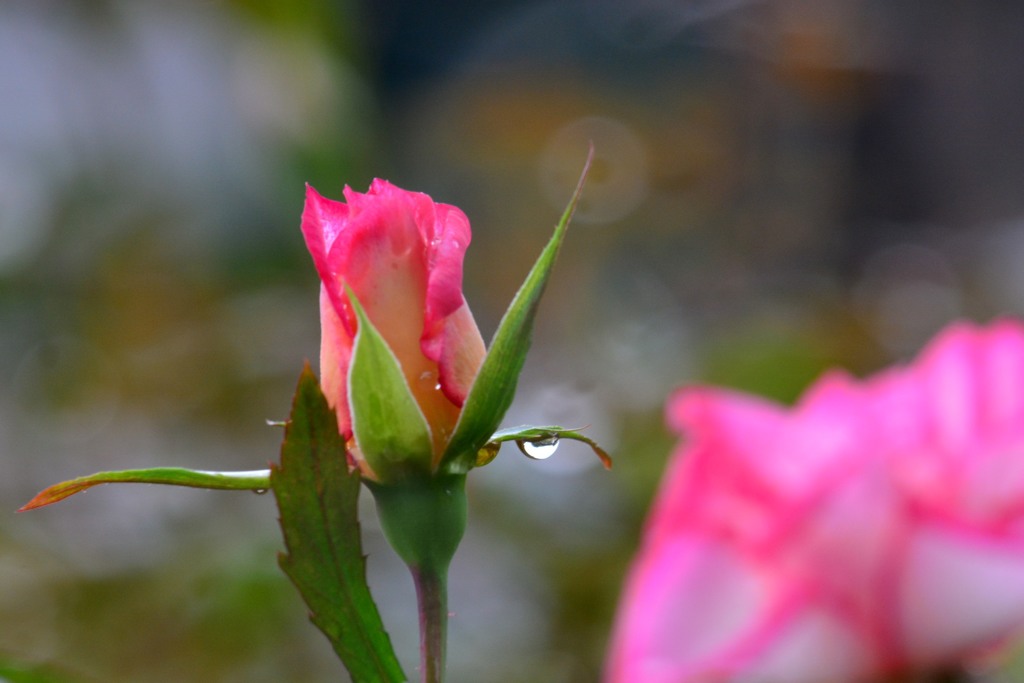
401	255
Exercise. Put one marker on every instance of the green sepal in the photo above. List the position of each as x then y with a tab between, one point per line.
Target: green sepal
533	434
495	386
423	520
255	480
390	429
318	497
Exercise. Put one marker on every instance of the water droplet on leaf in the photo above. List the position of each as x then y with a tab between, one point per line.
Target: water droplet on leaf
541	449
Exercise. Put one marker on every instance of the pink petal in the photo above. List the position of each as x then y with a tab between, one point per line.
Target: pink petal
1002	375
687	601
961	590
805	646
753	470
460	351
335	352
322	221
713	478
450	334
448	237
697	611
948	377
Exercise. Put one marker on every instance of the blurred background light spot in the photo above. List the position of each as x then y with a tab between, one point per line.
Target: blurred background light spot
906	294
617	182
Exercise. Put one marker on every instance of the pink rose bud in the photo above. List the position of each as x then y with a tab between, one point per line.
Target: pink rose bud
875	529
400	254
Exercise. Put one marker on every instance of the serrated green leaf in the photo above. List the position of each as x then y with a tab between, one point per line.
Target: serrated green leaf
495	385
535	433
317	498
388	425
254	480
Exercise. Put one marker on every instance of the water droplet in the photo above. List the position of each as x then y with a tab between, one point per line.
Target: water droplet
541	449
488	453
437	387
259	492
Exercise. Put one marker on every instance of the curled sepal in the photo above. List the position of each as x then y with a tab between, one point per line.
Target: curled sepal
495	385
538	442
389	427
255	480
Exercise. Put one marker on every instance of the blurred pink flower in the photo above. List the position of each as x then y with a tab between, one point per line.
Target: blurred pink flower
875	529
401	254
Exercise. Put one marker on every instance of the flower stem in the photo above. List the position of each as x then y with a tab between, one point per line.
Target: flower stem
432	596
424	522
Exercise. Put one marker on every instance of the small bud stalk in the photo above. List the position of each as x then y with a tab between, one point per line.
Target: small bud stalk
432	599
424	521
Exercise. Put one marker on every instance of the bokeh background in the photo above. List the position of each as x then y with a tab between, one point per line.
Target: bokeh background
780	186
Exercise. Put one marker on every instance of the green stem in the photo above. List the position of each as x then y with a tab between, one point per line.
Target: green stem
432	596
424	521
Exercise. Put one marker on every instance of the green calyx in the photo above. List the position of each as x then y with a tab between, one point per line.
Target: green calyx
423	519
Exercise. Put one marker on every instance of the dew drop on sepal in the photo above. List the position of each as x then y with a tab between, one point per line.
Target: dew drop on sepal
540	449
